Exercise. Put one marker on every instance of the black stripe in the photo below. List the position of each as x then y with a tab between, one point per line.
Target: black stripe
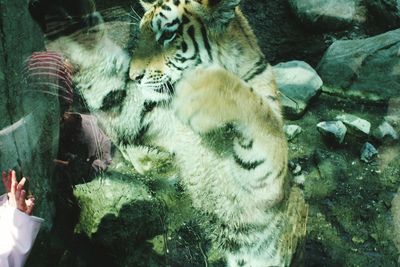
159	23
256	72
162	15
177	2
247	165
263	178
205	40
149	106
258	69
281	172
184	47
166	7
245	145
171	64
140	136
266	176
185	19
180	58
190	31
187	11
175	21
113	99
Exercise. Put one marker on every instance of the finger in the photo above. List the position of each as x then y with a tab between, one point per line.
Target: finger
13	181
19	187
21	201
21	184
29	208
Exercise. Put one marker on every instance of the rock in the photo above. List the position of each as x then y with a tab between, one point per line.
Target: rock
386	12
299	84
327	14
364	69
297	169
333	130
107	196
385	131
292	131
355	124
116	211
299	179
368	152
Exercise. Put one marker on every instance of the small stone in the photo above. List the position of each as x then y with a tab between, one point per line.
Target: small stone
356	124
333	129
385	131
299	179
368	152
357	240
297	169
292	131
375	236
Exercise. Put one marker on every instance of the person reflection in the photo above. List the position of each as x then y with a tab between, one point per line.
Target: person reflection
18	228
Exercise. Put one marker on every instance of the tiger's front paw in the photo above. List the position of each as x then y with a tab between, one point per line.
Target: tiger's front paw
205	99
147	160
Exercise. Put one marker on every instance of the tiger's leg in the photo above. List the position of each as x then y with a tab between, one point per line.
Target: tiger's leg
210	98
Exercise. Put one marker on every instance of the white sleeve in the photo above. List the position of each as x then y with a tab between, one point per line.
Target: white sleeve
17	234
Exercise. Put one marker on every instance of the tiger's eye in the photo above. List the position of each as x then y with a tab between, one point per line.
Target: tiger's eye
168	35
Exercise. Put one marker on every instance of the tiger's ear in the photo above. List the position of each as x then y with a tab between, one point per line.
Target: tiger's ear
147	4
219	12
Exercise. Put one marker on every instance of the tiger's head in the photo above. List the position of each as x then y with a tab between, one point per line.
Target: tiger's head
175	35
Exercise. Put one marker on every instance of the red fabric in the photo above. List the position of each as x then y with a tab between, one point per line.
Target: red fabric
51	69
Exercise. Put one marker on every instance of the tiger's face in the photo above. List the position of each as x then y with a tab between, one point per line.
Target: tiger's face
174	38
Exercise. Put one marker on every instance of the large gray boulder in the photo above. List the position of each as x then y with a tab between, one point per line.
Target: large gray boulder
365	69
327	14
298	83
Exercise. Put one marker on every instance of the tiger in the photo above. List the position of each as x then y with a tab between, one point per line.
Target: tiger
202	95
199	65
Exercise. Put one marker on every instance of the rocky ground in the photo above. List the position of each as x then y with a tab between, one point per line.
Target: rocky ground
338	69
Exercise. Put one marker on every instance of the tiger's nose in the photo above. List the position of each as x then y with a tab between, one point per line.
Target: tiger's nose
136	75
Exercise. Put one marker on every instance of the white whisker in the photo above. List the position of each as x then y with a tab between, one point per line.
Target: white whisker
135	13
